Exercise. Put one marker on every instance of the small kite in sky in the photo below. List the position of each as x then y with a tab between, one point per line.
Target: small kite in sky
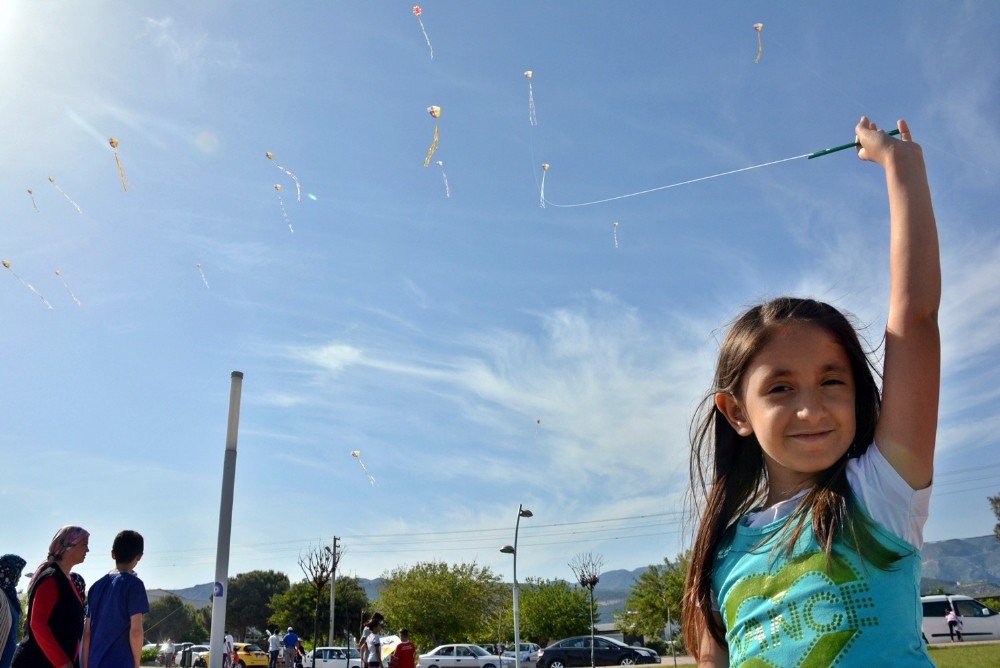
545	170
52	180
418	12
614	230
277	189
759	27
447	188
121	172
7	266
59	274
202	274
538	425
298	188
531	99
357	455
32	196
435	113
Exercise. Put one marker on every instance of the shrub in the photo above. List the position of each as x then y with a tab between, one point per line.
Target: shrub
149	655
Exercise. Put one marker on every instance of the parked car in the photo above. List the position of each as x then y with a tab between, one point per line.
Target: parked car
459	656
335	657
978	621
529	652
575	651
246	655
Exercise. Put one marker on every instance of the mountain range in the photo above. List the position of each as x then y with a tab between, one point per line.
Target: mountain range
961	566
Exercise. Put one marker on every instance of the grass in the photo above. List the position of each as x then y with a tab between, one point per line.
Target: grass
960	656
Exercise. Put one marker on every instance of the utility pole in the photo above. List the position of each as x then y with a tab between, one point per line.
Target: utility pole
333	588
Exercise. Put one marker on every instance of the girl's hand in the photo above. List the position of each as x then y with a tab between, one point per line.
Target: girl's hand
879	147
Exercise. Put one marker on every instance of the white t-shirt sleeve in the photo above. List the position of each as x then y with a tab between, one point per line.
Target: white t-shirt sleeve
888	498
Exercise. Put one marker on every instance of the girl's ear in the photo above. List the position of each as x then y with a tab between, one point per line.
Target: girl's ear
731	408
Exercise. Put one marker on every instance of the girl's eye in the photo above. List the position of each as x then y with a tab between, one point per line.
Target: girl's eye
834	381
777	389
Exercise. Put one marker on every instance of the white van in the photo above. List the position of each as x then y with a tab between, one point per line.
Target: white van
978	621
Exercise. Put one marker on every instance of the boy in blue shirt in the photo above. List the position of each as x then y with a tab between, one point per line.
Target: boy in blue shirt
112	632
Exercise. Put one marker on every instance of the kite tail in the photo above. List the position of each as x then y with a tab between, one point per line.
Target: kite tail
433	148
426	38
531	105
447	188
285	214
541	200
121	172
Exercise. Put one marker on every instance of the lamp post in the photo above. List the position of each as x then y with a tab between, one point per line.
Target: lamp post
507	549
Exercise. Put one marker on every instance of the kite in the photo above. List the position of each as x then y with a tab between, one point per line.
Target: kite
52	180
202	274
447	188
277	189
357	455
545	169
531	99
809	156
759	27
32	196
7	266
615	232
298	188
435	113
538	425
59	274
417	11
121	172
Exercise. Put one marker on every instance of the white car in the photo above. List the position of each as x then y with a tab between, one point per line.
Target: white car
334	657
460	656
978	621
529	653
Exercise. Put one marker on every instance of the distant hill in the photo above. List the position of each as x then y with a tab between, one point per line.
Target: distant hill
961	566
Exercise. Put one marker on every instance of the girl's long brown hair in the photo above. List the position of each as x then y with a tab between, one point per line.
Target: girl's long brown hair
728	478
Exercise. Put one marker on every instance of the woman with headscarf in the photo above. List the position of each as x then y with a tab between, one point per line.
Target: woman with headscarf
55	609
11	566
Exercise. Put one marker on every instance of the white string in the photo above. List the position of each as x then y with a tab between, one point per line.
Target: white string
672	185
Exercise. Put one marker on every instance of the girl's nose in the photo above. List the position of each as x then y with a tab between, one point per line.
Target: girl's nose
810	406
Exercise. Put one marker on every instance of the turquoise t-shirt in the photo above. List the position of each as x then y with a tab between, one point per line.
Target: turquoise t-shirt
792	610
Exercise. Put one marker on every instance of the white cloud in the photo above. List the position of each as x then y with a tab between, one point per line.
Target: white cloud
189	49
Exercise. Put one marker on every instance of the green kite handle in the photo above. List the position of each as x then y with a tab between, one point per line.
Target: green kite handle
828	151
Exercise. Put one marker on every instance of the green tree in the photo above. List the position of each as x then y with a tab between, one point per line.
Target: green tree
296	606
170	617
439	602
249	602
995	504
656	590
552	609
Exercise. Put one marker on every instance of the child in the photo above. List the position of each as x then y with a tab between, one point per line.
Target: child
954	624
112	632
815	488
402	656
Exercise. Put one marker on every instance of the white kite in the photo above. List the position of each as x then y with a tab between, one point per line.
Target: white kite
357	455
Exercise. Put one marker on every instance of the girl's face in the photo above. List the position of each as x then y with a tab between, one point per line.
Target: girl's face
797	398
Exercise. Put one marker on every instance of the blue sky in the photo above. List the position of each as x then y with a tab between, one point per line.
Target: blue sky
480	351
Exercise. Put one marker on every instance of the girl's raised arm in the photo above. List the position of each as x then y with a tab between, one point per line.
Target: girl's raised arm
907	425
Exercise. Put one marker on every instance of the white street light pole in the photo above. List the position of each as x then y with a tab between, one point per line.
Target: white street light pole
220	593
507	549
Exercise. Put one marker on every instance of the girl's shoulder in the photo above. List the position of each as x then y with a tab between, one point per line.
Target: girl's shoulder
888	499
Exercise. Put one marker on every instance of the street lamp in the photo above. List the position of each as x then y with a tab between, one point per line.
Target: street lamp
507	549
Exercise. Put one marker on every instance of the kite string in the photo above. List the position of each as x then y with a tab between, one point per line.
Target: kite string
671	185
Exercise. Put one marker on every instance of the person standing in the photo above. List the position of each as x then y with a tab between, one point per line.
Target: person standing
228	650
54	625
273	647
376	618
289	641
11	567
112	636
954	624
403	655
373	645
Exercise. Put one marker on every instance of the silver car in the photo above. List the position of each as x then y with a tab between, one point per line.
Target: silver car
460	656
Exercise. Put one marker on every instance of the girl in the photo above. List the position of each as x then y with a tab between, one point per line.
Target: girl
815	489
